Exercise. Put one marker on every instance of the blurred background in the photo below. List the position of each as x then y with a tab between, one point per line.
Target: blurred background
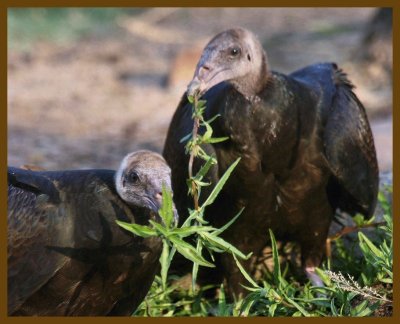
87	86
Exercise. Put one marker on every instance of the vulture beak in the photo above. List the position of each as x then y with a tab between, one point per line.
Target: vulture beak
198	85
207	75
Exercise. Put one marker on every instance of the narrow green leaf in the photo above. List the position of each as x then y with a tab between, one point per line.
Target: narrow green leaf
369	244
160	228
366	312
333	308
166	212
190	230
223	228
203	154
185	138
275	295
199	113
205	168
222	244
201	183
365	279
195	268
189	252
214	140
164	263
139	230
213	118
272	309
252	289
359	308
201	103
194	256
359	219
200	220
222	307
208	133
220	184
193	214
322	274
247	304
275	256
244	273
299	308
386	280
384	203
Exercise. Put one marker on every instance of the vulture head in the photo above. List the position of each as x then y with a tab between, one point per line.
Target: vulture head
235	55
140	178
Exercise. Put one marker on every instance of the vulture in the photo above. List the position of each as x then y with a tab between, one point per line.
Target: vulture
305	145
66	254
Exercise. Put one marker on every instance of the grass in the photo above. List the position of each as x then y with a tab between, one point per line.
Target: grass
362	291
26	26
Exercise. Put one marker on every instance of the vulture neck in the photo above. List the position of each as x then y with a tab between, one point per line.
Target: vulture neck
254	82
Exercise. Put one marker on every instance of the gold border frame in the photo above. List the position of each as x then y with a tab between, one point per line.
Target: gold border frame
5	4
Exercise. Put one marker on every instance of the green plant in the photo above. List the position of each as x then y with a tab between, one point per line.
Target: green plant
195	226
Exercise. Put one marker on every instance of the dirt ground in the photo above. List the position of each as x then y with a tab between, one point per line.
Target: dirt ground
88	103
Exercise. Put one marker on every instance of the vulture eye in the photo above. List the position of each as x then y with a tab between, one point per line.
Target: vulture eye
235	51
132	177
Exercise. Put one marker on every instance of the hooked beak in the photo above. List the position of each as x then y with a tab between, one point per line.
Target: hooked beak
198	85
207	76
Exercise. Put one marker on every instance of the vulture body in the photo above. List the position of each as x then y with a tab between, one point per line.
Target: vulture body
305	144
66	254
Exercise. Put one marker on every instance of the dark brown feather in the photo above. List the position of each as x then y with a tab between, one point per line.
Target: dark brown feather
305	144
67	256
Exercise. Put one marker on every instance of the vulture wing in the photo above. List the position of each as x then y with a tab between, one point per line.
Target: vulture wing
350	150
34	214
66	254
348	142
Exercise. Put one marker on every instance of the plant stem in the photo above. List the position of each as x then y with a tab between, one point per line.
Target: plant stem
196	124
349	229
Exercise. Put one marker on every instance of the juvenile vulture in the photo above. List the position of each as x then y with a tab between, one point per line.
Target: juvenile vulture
66	254
305	144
